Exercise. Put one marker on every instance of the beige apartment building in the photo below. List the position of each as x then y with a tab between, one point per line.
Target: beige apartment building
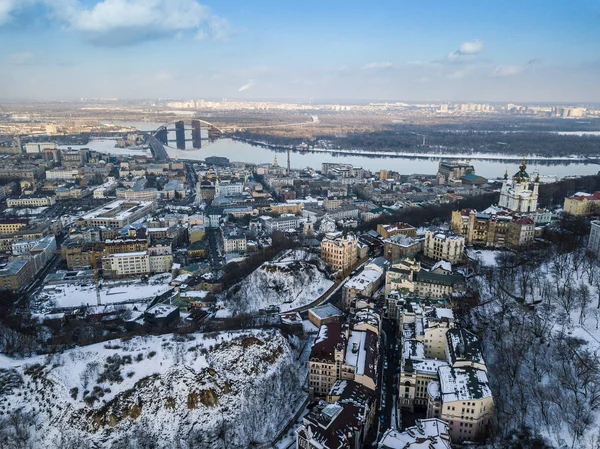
444	246
339	251
498	229
136	263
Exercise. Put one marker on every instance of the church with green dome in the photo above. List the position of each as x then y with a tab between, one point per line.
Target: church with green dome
516	194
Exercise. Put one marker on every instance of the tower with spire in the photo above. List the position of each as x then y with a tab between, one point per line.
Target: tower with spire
516	194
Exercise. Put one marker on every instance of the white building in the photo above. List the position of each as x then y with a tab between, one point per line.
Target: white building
31	201
516	195
118	213
128	264
70	174
283	223
234	241
228	188
34	147
444	246
594	241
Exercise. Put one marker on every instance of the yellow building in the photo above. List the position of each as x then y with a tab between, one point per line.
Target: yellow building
9	226
285	208
582	204
16	274
498	229
387	231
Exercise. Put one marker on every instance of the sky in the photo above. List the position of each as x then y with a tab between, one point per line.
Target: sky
326	50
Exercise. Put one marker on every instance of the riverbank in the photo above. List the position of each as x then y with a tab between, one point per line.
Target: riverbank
429	155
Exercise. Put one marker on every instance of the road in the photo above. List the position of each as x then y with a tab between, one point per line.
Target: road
212	235
388	361
157	148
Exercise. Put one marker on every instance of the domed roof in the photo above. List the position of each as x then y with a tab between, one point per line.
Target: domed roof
522	174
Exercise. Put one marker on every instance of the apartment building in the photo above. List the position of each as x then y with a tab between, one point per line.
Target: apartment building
341	422
234	240
117	213
424	351
68	174
444	246
282	223
582	203
340	251
16	274
493	228
8	226
31	201
344	352
407	275
365	283
127	264
386	231
400	245
34	147
594	240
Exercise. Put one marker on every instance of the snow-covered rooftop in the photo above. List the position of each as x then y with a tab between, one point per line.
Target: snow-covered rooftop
463	384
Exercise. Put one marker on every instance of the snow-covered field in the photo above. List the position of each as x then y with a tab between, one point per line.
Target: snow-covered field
486	257
74	295
293	279
201	389
108	146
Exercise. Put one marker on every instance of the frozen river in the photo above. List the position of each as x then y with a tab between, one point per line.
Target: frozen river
244	152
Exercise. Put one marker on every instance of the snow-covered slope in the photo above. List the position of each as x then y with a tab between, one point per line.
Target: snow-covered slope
196	391
293	279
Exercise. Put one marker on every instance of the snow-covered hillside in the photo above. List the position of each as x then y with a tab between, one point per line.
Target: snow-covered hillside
196	390
293	279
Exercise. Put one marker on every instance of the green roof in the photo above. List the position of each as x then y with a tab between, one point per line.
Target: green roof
197	246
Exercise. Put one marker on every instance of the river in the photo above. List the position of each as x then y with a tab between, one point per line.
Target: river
244	152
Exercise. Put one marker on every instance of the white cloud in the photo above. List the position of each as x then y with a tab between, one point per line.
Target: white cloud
126	22
467	51
471	48
378	65
20	58
507	70
9	7
248	85
6	9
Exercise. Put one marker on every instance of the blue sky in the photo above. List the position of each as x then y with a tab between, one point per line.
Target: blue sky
326	50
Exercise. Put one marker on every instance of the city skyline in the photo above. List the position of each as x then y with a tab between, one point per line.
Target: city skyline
133	49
